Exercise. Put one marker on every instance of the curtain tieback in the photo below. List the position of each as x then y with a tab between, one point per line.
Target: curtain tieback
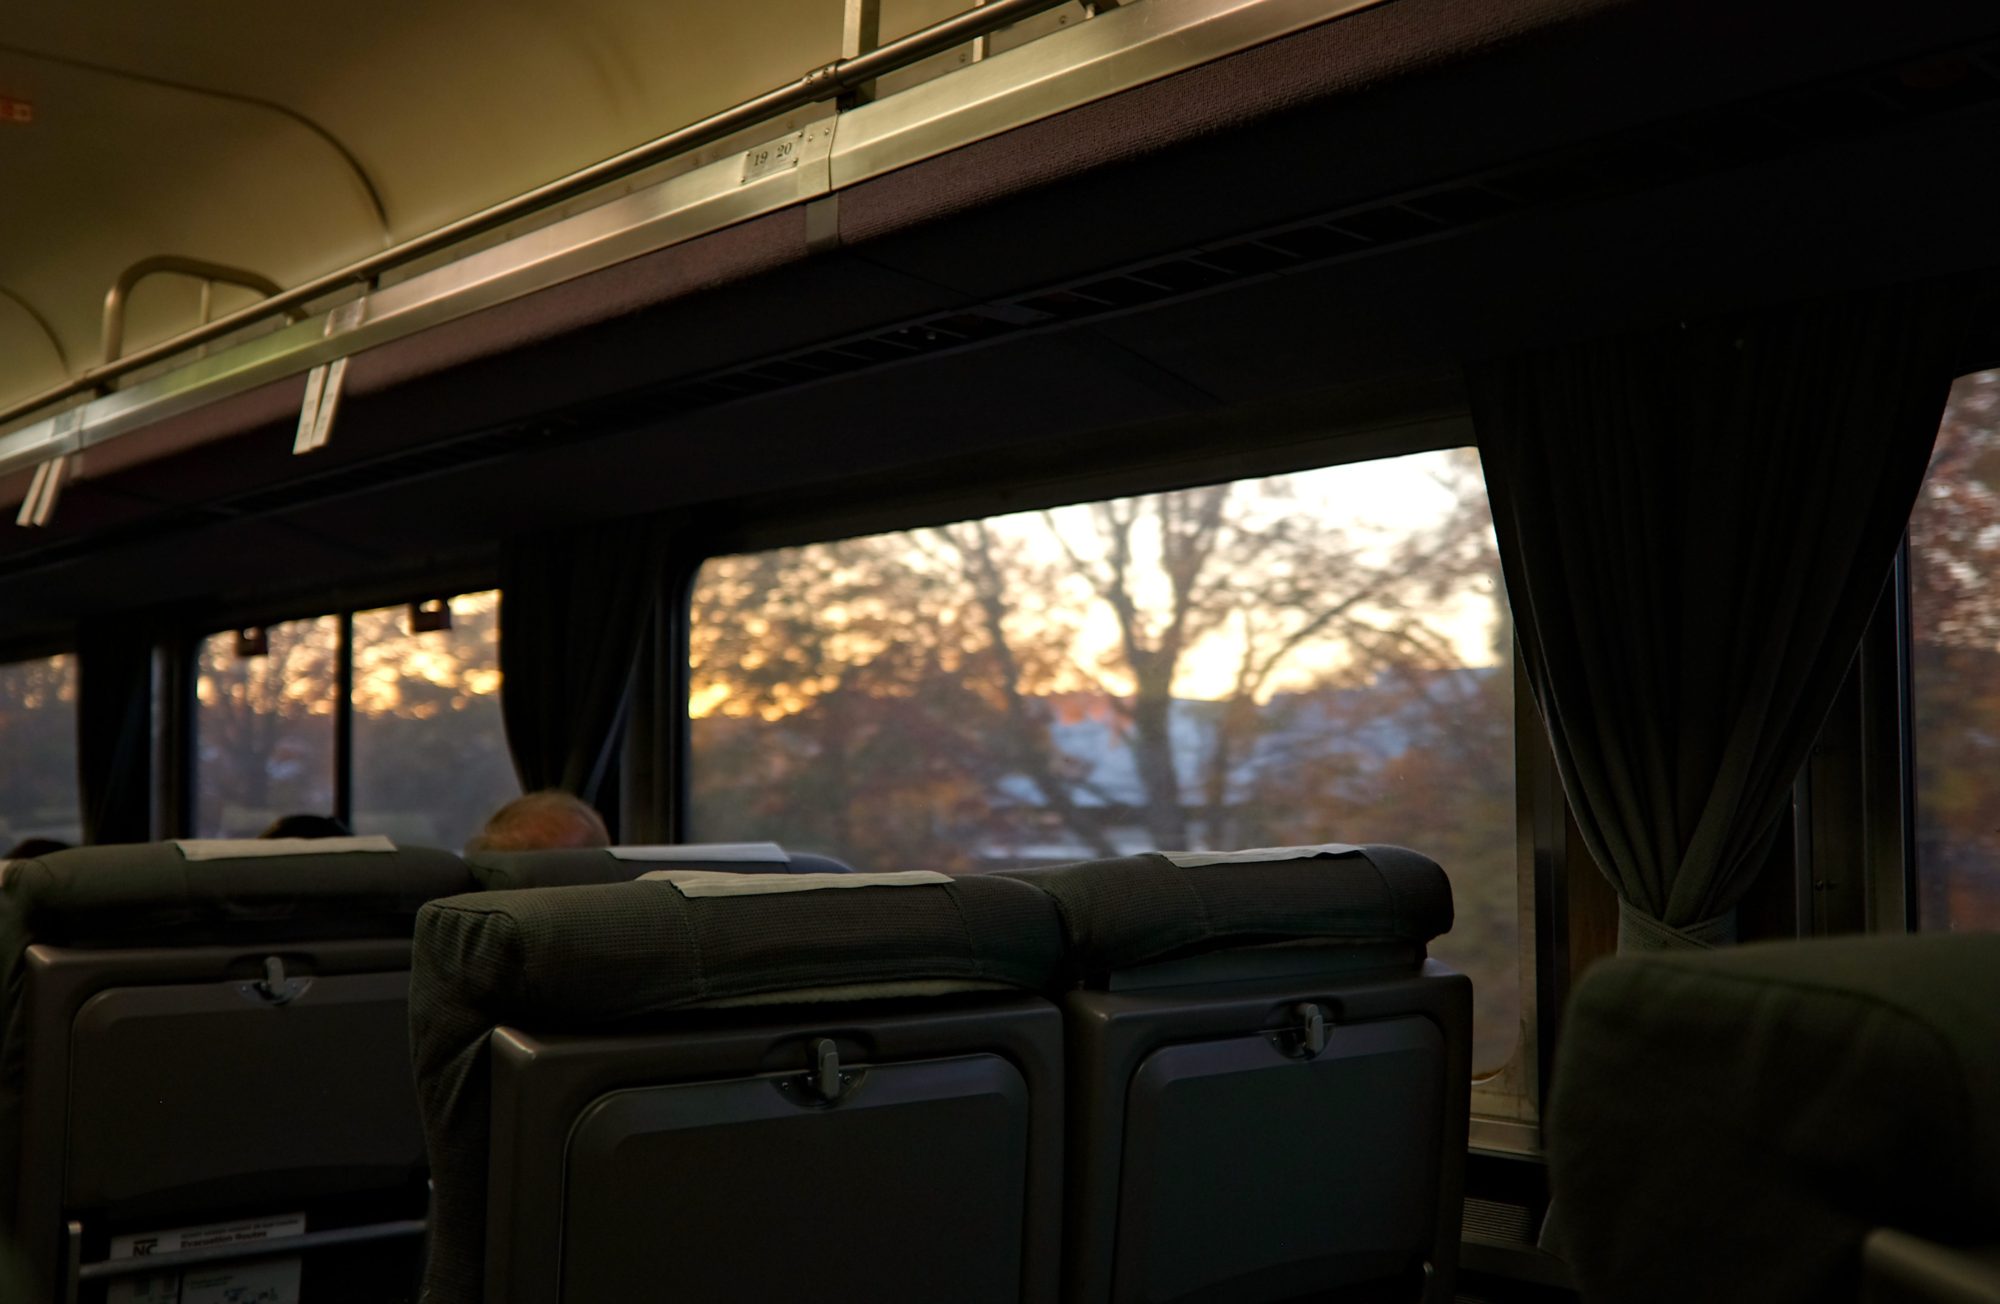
1639	931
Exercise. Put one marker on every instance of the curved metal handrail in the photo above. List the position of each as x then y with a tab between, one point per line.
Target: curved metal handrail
202	270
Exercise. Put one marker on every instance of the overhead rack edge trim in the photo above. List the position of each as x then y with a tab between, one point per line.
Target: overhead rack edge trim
1117	50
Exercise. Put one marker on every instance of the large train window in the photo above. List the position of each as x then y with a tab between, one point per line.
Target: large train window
1322	656
38	793
1955	664
265	725
430	752
424	759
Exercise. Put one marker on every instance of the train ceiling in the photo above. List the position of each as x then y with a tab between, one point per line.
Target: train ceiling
290	139
1305	236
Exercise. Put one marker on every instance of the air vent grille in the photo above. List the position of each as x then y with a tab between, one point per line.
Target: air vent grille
1496	1220
1712	141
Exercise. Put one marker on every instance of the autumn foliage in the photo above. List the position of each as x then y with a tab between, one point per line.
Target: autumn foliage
1262	663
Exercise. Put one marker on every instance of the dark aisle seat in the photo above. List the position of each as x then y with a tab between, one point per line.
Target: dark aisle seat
1269	1082
498	870
1898	1268
742	1087
1732	1125
193	1041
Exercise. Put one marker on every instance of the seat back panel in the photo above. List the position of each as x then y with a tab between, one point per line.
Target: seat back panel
1211	1161
1253	1172
58	983
187	1094
146	1085
714	1186
696	1153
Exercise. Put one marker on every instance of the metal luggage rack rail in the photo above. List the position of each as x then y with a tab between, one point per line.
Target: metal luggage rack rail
1709	141
829	82
354	311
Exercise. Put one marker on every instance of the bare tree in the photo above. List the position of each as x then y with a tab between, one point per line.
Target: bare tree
1283	584
1026	739
973	636
429	754
265	728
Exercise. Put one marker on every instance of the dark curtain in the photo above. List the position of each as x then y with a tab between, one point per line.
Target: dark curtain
1694	525
575	610
648	800
114	732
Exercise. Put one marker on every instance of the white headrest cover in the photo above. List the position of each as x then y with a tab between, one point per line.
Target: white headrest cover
748	853
257	848
714	883
1196	859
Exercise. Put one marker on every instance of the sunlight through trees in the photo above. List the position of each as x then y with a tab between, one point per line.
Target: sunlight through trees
1294	660
429	753
1955	663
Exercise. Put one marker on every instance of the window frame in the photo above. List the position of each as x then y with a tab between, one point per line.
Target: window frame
1882	691
187	794
177	709
1507	1106
1853	829
1858	788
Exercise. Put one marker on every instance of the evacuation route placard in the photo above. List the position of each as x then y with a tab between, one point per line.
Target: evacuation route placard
263	1281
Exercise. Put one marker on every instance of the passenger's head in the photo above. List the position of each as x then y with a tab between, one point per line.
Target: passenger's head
307	826
34	849
541	821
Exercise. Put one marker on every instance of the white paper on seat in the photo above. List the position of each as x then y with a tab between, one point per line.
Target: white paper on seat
267	1281
1196	859
747	853
716	883
256	848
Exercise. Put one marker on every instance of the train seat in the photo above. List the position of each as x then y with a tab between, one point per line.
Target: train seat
1269	1082
201	1035
497	870
827	1087
1732	1125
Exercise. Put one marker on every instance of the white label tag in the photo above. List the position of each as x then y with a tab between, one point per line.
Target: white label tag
1196	859
725	853
272	1281
711	883
259	848
773	156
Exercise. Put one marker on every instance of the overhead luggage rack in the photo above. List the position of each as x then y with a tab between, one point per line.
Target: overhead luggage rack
1119	48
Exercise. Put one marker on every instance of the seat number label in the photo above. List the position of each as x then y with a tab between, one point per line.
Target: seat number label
777	156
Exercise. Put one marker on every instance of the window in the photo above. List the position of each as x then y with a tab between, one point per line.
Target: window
265	725
427	756
1309	658
430	752
38	787
1955	664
